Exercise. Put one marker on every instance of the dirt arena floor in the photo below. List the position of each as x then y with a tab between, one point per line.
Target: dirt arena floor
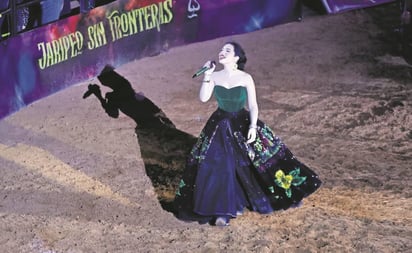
332	87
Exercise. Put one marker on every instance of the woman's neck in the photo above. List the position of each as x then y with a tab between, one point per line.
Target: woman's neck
230	69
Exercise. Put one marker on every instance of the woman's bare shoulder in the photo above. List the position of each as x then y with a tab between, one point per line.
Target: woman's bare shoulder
246	76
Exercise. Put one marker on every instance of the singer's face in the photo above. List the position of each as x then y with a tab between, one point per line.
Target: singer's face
227	54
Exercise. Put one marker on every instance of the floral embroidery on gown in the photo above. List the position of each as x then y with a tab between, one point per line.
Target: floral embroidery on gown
224	175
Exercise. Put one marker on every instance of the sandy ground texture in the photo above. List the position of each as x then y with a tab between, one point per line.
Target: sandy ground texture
333	88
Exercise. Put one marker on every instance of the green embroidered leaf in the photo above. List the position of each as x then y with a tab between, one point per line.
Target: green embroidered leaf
182	183
298	180
278	183
288	193
295	172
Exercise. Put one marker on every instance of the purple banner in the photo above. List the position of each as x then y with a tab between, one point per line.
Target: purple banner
335	6
47	59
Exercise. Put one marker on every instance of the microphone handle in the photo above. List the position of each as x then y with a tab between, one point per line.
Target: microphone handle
200	71
204	69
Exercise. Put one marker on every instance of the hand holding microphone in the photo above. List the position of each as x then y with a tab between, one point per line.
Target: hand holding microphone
208	68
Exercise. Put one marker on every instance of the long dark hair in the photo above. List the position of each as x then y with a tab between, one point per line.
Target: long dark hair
240	53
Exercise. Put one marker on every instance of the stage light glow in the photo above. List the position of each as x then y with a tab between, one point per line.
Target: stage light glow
32	158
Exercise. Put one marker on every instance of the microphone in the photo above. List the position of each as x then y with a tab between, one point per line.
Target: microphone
204	69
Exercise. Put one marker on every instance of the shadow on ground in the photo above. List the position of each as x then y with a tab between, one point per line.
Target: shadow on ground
394	38
163	147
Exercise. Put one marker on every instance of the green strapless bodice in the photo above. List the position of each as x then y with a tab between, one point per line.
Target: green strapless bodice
230	100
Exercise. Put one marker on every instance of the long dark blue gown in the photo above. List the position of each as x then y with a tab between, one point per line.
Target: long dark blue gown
224	175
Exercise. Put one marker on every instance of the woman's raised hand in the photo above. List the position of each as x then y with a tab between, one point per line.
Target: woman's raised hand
211	65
